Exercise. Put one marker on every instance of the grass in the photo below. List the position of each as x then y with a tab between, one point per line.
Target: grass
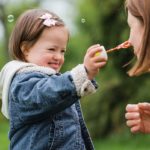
125	141
4	127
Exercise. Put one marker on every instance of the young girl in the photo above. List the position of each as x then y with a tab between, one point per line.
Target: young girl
138	115
42	104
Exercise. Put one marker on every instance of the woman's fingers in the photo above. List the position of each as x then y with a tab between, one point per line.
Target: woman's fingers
138	117
132	108
131	115
135	128
132	123
144	106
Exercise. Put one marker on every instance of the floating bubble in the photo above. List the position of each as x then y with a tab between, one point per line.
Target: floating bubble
10	18
83	20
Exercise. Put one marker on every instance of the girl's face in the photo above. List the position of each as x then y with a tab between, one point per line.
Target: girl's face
136	32
49	49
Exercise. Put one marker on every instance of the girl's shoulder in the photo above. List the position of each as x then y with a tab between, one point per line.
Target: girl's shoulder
37	70
29	73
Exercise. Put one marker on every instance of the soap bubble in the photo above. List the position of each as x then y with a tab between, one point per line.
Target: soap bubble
10	18
83	20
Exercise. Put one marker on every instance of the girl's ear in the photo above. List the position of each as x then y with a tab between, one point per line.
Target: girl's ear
24	48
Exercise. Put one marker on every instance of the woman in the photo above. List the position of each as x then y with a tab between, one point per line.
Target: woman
138	115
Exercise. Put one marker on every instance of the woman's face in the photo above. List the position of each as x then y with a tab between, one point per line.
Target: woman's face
136	32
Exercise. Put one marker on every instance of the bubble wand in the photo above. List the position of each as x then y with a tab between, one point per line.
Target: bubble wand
124	45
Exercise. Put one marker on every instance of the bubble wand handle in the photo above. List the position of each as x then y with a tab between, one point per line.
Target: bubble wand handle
124	45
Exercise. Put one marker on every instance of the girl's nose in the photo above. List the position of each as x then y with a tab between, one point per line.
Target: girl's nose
58	56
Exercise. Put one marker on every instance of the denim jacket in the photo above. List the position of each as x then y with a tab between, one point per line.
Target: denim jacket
45	112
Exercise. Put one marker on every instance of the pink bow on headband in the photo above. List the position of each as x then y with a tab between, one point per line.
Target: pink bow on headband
48	20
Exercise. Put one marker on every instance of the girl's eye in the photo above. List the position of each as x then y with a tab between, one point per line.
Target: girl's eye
63	51
51	49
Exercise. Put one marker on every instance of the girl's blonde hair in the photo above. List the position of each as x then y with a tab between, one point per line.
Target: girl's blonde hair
141	10
27	30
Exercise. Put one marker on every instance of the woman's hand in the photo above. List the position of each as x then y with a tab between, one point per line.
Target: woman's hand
95	58
138	117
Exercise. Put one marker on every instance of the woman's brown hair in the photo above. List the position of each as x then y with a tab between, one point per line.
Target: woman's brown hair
27	30
141	10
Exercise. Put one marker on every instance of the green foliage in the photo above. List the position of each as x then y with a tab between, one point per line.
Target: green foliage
123	142
4	135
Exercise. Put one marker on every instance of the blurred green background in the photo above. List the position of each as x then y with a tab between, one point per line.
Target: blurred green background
90	22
